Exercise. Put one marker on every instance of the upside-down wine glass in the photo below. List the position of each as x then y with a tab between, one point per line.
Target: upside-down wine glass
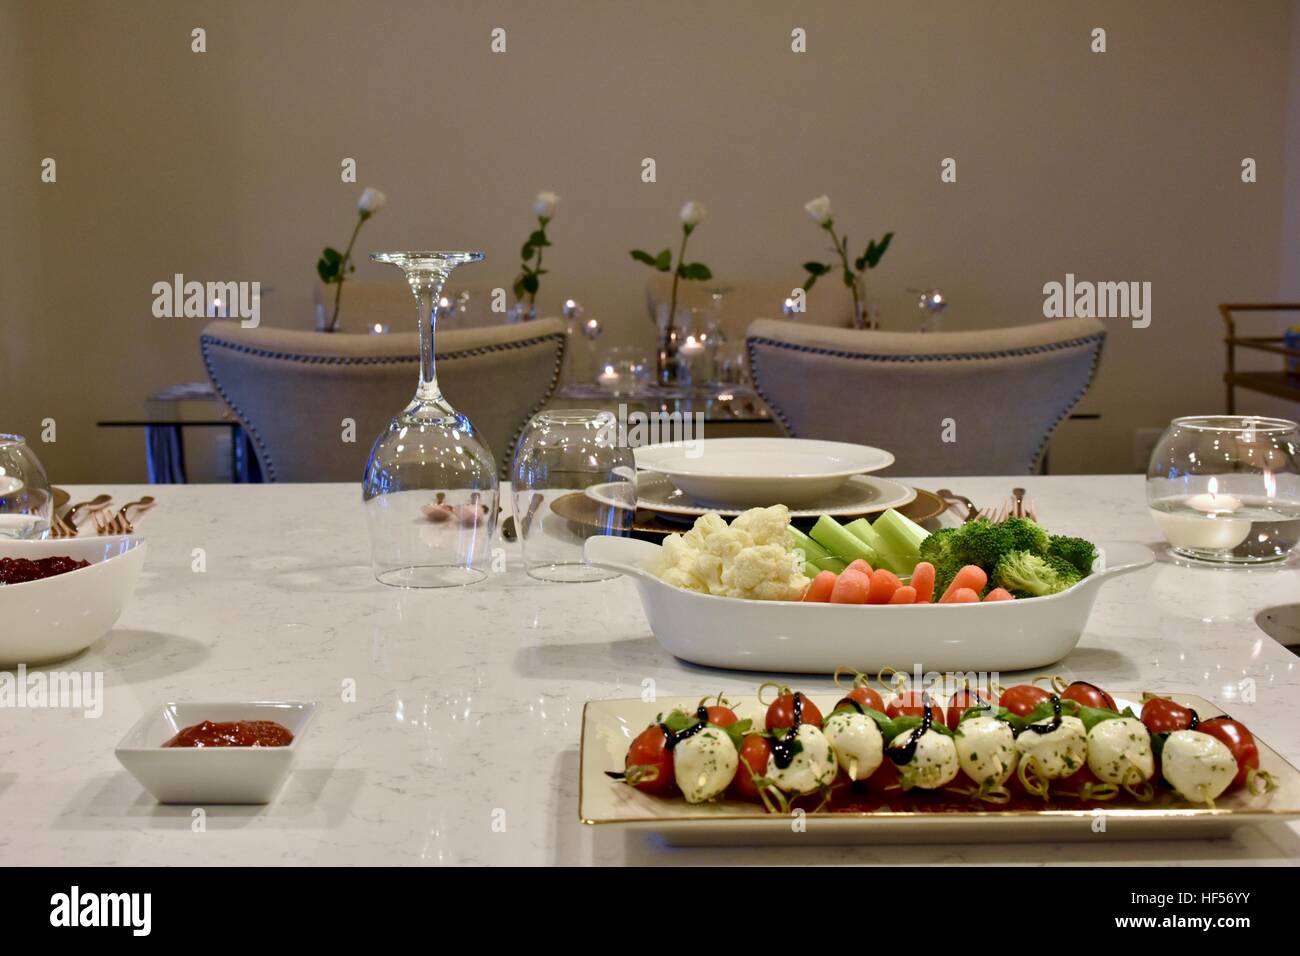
430	489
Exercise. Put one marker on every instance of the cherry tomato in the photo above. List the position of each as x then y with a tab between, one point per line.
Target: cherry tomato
1164	716
912	703
1089	695
754	753
1237	739
721	716
867	698
780	713
648	750
1023	698
964	700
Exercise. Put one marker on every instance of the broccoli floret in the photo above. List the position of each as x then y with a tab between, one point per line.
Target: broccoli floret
978	542
1022	534
1026	574
937	547
1077	552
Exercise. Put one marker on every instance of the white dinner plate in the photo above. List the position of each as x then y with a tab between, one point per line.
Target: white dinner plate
608	727
859	495
748	472
791	637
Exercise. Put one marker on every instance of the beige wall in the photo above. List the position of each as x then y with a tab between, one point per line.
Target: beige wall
225	165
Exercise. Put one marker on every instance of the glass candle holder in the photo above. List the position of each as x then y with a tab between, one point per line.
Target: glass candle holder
1225	489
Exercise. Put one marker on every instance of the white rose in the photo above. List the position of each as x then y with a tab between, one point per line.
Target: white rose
544	205
693	212
371	200
819	209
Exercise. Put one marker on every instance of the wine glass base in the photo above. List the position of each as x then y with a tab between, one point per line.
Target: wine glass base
430	576
569	572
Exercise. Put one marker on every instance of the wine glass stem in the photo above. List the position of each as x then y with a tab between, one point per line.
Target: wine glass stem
427	287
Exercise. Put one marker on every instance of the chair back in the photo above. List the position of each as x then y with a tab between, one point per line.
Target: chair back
945	403
296	392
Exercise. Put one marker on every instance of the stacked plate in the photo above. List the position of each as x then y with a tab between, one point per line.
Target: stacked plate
679	481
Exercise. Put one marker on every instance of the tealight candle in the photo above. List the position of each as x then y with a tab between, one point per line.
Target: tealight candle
1213	503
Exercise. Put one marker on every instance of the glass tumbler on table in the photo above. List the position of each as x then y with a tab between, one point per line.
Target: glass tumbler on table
430	488
1225	489
26	502
572	455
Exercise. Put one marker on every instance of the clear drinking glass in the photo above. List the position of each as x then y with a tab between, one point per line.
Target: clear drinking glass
572	458
430	488
25	498
1226	488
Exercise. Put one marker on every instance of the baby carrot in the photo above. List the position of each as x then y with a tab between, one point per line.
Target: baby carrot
923	581
851	587
883	585
963	596
904	595
860	565
998	594
971	576
820	589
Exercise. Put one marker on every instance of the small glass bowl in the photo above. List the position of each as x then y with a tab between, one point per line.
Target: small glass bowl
26	502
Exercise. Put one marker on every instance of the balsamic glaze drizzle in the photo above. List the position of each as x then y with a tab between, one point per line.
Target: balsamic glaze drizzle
852	702
1196	719
783	751
673	739
905	754
1053	724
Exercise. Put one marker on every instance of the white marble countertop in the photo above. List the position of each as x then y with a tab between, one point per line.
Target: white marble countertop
469	702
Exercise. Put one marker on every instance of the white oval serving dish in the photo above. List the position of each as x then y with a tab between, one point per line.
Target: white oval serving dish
757	472
57	617
792	637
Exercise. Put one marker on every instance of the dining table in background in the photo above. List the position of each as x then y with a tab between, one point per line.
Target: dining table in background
449	720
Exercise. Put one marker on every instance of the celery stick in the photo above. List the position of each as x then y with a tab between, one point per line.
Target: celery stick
902	536
815	556
888	559
830	534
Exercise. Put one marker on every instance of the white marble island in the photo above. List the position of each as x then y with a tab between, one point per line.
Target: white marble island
461	745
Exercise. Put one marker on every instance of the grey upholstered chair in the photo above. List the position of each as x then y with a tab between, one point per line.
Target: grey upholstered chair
292	390
997	394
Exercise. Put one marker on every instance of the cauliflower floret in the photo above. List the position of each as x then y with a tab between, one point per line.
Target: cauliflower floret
765	525
766	572
751	558
705	526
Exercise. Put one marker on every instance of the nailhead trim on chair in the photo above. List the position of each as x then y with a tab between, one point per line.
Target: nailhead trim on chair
268	466
1086	340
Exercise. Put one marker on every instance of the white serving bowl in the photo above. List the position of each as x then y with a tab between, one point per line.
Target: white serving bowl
56	617
209	775
789	636
757	472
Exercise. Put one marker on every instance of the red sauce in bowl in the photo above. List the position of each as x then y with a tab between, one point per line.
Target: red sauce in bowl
238	733
22	570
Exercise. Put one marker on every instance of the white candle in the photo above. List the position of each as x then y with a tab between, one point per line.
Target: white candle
608	378
1213	501
692	346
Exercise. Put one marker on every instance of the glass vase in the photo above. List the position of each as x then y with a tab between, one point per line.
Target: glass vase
430	488
26	503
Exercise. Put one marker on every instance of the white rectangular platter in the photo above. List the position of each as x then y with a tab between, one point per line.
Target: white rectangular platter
608	727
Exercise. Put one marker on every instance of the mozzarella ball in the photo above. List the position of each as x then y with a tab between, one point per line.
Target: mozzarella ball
856	741
1060	752
986	750
1117	748
934	763
704	764
813	766
1198	766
